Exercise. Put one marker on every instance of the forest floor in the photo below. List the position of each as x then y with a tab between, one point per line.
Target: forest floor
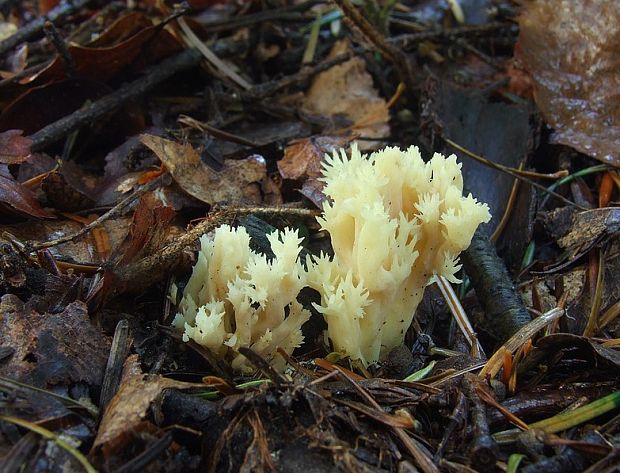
130	129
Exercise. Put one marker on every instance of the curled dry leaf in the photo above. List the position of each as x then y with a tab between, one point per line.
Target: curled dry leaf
130	406
571	50
302	158
313	190
231	183
14	148
149	228
19	199
103	63
63	196
347	89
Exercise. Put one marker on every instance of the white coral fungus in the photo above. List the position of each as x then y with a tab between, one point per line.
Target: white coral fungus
394	223
236	297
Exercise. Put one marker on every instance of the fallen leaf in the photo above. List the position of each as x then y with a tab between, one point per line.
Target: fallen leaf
116	161
20	199
15	62
51	349
14	148
313	190
149	228
231	184
302	158
130	406
103	63
81	251
347	89
62	195
570	50
37	107
40	106
576	231
271	191
120	30
7	29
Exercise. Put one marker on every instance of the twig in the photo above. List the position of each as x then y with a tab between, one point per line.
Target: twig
267	89
147	271
483	56
216	132
411	39
96	110
392	53
82	33
259	362
114	368
510	171
289	13
492	367
147	457
483	450
460	316
220	367
458	418
514	192
503	306
412	446
192	40
35	26
19	454
63	443
113	212
61	48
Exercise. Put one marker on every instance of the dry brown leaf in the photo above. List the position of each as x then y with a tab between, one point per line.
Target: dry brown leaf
80	251
302	158
571	50
14	148
51	349
149	227
347	89
129	408
18	198
103	63
313	190
231	184
575	231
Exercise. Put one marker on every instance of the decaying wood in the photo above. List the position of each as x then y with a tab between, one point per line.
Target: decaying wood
504	311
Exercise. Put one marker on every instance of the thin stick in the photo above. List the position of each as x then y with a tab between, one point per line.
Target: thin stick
49	435
113	212
99	108
507	170
35	26
146	271
460	316
419	455
395	55
114	368
61	48
194	41
266	89
494	364
516	184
